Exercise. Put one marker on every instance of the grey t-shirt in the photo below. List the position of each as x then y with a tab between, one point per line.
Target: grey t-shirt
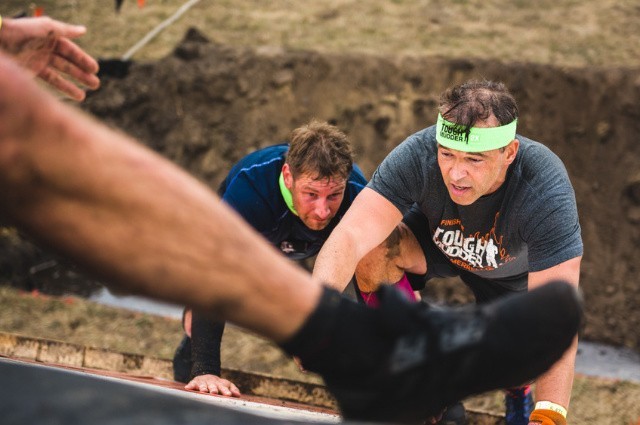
529	224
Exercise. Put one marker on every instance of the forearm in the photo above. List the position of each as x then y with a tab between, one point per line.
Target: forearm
104	200
206	336
556	384
337	260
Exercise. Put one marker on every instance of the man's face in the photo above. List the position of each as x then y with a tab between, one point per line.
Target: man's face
470	175
316	201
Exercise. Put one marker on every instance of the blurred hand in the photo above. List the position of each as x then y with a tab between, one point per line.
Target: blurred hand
44	46
213	384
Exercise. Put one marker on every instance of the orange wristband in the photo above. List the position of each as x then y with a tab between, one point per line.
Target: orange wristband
547	417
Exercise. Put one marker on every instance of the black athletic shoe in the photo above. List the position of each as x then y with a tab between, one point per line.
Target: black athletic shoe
406	362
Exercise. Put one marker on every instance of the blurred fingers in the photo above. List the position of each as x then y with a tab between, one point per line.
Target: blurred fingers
70	51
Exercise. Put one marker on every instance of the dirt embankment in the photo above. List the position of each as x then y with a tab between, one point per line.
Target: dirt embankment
207	105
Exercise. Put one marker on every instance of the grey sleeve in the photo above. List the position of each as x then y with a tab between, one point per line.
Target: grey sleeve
552	227
401	177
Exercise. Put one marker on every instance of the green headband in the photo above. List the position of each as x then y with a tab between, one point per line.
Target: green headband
454	136
286	194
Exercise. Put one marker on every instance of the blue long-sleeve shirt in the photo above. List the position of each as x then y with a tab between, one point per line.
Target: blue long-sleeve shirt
252	189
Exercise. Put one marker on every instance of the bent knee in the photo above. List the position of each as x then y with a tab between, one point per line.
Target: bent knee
392	243
381	264
387	262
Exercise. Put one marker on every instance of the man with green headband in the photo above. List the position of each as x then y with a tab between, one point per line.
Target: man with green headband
468	197
293	194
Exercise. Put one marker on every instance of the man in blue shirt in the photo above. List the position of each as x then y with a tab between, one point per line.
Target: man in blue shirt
293	194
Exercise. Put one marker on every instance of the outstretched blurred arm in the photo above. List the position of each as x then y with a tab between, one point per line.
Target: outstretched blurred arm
134	218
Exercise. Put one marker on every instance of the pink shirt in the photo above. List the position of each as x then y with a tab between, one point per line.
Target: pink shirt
371	298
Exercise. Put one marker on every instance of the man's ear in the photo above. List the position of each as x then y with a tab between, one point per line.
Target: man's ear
512	150
287	175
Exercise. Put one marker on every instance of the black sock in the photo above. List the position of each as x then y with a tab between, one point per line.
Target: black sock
339	336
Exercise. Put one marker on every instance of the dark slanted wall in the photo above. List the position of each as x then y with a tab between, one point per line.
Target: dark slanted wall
207	105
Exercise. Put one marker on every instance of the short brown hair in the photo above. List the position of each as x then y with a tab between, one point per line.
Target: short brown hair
476	101
321	150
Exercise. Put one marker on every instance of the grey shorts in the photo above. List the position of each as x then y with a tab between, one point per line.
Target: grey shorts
438	265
